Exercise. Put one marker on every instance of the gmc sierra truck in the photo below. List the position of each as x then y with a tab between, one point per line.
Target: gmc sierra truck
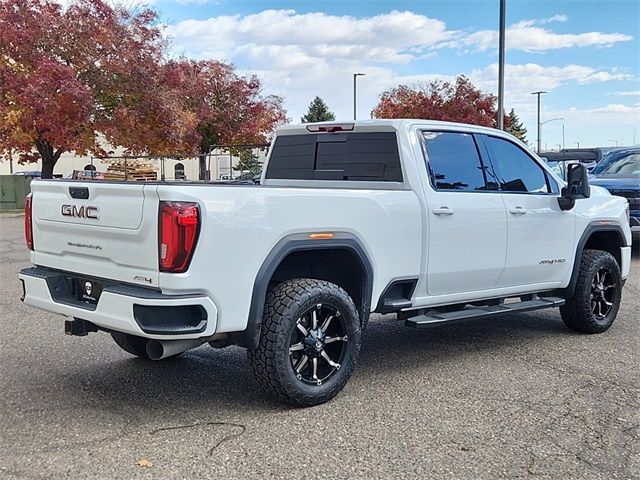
435	222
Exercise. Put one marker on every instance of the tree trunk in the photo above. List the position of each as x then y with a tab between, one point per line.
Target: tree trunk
49	158
202	162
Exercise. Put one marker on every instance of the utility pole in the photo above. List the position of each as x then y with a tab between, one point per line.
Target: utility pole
563	134
503	14
539	124
355	76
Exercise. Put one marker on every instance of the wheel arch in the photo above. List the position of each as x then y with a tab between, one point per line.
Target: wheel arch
342	260
608	237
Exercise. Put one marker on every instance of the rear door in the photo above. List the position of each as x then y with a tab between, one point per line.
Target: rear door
541	236
107	230
466	217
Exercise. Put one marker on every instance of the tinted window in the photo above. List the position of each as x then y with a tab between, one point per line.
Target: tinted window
340	156
454	161
626	164
515	170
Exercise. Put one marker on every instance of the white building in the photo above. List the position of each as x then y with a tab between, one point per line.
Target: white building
219	163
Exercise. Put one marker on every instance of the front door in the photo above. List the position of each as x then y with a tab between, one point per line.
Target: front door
541	236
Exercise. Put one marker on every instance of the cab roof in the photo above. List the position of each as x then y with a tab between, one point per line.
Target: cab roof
382	124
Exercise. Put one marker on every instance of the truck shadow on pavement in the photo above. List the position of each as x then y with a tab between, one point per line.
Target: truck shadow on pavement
210	379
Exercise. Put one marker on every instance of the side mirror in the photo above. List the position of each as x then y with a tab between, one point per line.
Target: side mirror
577	186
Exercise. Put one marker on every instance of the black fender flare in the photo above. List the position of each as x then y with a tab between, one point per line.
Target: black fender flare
593	227
292	243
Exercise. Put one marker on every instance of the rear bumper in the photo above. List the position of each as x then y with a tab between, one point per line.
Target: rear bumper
123	308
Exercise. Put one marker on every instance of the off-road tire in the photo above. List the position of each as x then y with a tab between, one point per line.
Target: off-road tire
271	361
131	344
577	313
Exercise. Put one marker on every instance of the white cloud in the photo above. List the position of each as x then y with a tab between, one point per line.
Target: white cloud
526	36
394	37
630	93
300	55
554	18
611	116
194	2
522	79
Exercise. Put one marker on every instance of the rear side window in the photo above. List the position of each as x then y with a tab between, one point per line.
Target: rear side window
339	156
454	161
515	170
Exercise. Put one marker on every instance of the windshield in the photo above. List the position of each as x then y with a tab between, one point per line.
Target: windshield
627	164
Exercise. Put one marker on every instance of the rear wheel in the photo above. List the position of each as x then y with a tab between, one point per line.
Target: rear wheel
131	344
309	342
597	296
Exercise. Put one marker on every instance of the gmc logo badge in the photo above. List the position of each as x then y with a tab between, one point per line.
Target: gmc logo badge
80	212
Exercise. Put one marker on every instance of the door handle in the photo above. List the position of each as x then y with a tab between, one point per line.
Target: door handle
443	211
518	211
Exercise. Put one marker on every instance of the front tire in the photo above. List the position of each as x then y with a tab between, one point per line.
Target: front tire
597	295
309	342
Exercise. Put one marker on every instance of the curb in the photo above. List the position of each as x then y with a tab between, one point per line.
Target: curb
11	214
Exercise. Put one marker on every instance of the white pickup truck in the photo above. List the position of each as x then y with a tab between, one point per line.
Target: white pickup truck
436	222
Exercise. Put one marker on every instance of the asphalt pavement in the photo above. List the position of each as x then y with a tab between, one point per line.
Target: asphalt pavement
518	396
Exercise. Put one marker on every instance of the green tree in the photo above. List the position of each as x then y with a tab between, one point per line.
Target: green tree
318	112
514	126
247	161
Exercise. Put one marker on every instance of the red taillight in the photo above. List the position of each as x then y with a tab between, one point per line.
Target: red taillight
28	226
179	224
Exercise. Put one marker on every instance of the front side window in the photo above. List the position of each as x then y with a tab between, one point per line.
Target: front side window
515	170
454	161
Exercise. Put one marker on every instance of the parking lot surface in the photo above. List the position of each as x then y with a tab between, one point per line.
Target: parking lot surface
519	396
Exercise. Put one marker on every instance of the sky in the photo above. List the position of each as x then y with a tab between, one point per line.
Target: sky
584	53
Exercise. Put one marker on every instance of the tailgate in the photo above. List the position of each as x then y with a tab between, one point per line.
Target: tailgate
105	230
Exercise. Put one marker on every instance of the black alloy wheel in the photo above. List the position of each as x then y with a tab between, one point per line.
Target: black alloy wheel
597	295
309	341
318	344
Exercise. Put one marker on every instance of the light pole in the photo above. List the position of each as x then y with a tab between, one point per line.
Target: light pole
553	120
539	124
355	76
614	141
503	14
577	144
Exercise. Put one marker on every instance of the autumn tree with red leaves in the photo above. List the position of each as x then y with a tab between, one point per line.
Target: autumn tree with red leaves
452	102
72	79
228	107
66	74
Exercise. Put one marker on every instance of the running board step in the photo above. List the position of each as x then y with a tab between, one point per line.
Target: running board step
482	312
395	304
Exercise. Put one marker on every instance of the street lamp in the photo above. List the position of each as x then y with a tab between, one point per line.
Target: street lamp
539	124
355	76
503	14
614	141
553	120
